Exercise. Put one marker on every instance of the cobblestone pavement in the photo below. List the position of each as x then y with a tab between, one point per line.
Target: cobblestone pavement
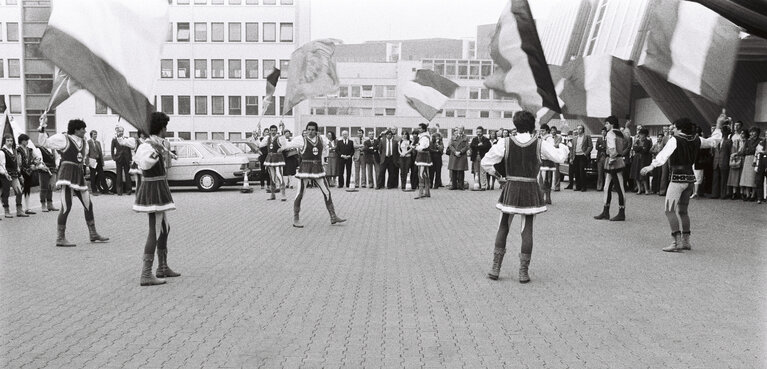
400	285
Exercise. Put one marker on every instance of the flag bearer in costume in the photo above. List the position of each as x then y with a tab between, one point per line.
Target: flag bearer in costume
72	149
614	165
548	167
154	198
313	150
520	156
275	161
423	161
10	164
680	151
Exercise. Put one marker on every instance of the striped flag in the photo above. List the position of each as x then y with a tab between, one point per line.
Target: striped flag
7	129
312	72
271	84
112	48
521	69
428	92
749	14
692	47
597	86
63	88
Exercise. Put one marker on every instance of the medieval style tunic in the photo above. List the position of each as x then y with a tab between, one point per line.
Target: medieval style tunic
72	150
273	157
423	155
154	194
311	157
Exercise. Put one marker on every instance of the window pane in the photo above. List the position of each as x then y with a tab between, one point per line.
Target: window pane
356	91
268	65
169	37
270	32
235	105
235	136
200	105
200	32
270	2
201	2
218	105
286	2
1	31
101	108
201	136
13	31
284	66
182	31
167	104
235	32
217	68
200	68
251	68
282	104
182	2
235	68
251	2
166	68
251	105
183	68
14	69
343	91
184	105
286	32
378	91
217	135
217	2
2	69
36	86
217	32
185	135
15	104
251	32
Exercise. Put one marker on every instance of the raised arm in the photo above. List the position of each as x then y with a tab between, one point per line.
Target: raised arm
550	151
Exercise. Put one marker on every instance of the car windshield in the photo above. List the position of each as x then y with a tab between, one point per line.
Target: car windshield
230	148
247	147
211	148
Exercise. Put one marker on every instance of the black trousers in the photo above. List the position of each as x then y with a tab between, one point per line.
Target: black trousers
388	167
98	182
435	174
344	167
580	162
123	177
721	174
458	178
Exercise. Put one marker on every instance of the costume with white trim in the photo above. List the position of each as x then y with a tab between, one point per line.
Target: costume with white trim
154	193
311	159
275	158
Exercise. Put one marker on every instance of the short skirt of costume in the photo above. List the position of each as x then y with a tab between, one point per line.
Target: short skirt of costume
71	174
521	196
614	164
310	169
682	175
134	170
274	159
291	164
154	195
548	165
423	159
748	174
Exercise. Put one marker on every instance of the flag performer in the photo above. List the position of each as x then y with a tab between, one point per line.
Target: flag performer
275	161
72	149
423	160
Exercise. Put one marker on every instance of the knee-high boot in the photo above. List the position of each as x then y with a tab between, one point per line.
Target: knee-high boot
332	210
163	270
95	237
272	190
282	191
497	261
61	239
296	216
147	279
524	264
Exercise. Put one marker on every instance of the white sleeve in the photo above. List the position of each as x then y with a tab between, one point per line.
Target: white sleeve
493	157
557	155
264	141
707	143
296	143
55	142
664	154
146	157
127	141
423	143
2	164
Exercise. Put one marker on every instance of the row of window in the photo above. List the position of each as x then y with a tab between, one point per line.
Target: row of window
11	32
219	105
9	2
460	69
218	68
230	2
218	31
14	68
14	103
448	113
390	92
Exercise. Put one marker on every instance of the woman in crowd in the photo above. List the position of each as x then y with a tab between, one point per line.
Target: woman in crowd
458	163
331	161
642	158
493	141
26	170
736	161
291	160
748	174
405	163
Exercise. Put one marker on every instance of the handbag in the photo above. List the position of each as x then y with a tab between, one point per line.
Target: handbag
736	161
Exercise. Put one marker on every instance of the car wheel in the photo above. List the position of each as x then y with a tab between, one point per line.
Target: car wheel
208	181
110	179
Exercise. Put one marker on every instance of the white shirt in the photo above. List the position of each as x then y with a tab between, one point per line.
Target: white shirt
59	142
299	142
388	147
281	139
705	143
146	156
424	139
548	152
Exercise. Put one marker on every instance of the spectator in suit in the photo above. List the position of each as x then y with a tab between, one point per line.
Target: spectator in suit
345	151
458	163
371	159
437	148
642	158
359	158
601	155
628	153
479	146
122	153
26	170
722	164
96	164
388	163
580	156
331	161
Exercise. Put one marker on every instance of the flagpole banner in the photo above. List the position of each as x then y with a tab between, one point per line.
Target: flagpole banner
63	88
112	48
271	82
597	86
521	70
312	72
704	66
749	14
428	92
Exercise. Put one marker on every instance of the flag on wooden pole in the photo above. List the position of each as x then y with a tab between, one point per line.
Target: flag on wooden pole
428	92
312	72
112	48
271	84
521	70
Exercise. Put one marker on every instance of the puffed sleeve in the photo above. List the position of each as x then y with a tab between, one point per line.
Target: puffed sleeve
146	156
664	154
55	142
707	143
493	157
557	155
423	143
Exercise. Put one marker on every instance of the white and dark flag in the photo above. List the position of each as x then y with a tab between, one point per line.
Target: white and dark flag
521	70
112	48
428	92
692	47
597	86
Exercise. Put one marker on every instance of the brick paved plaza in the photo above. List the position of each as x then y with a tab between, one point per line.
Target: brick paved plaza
400	285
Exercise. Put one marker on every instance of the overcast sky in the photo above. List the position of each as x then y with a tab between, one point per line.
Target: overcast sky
355	21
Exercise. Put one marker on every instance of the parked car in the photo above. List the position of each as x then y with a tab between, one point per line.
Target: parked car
251	148
197	164
229	148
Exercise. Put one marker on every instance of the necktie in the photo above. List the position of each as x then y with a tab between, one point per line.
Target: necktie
388	148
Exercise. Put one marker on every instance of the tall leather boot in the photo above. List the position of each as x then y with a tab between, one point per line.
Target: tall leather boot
61	239
272	191
282	191
605	213
51	207
686	241
497	261
548	196
7	212
426	191
296	218
95	236
163	270
332	210
20	212
621	216
675	246
147	279
524	264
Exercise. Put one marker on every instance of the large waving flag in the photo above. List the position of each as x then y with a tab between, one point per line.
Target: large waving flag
428	92
312	72
271	84
597	86
63	88
749	14
692	47
521	69
112	48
